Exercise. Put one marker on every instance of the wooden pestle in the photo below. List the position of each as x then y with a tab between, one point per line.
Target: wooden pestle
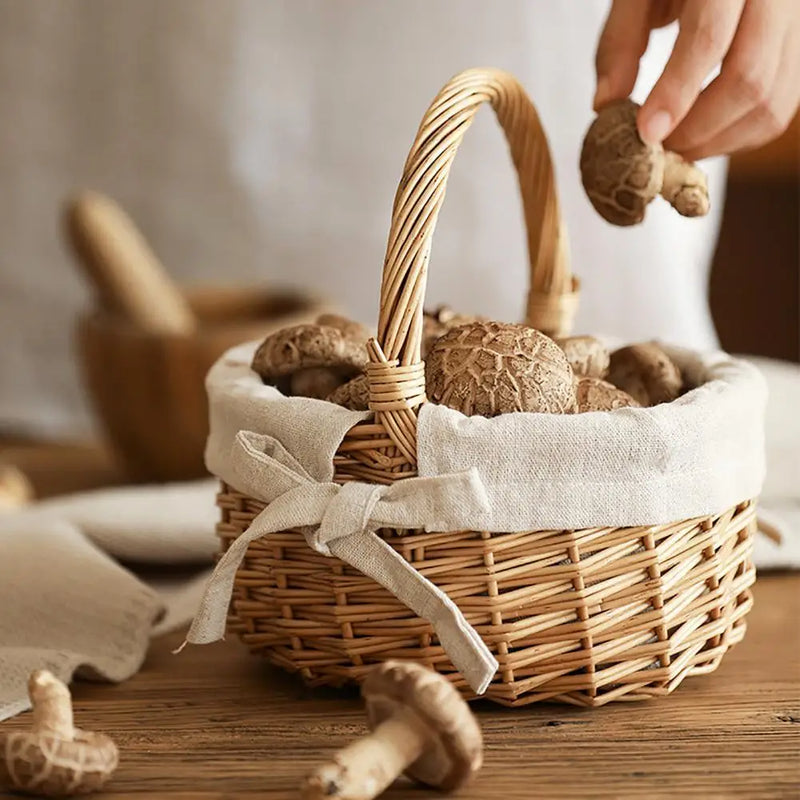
123	268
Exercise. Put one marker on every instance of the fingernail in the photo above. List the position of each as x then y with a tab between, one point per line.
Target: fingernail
601	93
655	128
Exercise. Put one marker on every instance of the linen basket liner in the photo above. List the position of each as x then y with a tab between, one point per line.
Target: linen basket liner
696	456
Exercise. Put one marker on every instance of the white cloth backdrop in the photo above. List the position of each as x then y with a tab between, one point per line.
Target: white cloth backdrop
263	141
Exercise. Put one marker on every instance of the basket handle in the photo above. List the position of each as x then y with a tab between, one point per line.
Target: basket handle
396	373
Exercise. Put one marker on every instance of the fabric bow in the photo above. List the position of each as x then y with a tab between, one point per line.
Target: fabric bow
341	520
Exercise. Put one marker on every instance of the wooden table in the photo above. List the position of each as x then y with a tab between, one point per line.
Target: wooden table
215	722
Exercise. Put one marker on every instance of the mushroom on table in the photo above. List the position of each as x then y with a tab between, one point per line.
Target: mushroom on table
420	725
54	758
622	174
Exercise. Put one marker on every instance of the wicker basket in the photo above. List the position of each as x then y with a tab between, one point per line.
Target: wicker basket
579	616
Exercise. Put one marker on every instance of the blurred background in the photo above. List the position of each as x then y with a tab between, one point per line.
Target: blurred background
259	144
754	287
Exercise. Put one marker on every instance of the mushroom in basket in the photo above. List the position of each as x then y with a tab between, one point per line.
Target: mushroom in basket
492	368
595	394
438	321
587	355
646	373
355	393
312	360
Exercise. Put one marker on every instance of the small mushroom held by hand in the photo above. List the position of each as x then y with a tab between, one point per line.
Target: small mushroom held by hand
586	355
491	368
646	373
622	174
310	359
594	394
420	725
53	758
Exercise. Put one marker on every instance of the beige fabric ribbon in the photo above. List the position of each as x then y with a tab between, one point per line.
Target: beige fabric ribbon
341	521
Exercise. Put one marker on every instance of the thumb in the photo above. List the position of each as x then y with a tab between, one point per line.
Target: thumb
622	43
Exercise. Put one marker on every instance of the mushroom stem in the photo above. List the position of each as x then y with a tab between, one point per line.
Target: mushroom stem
684	186
52	706
363	769
53	759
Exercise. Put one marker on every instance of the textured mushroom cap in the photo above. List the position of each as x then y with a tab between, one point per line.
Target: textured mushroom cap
621	174
454	752
646	373
349	327
437	322
594	394
586	355
302	346
492	368
353	395
48	766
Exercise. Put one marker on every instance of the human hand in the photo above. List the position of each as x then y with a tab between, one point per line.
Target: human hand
749	103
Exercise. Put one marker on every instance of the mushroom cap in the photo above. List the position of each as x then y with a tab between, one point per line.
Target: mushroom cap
594	394
438	321
586	355
349	327
646	373
492	368
353	395
621	174
303	346
317	382
49	766
454	752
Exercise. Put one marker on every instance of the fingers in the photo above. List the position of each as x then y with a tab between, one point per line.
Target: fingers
621	45
747	80
768	119
707	28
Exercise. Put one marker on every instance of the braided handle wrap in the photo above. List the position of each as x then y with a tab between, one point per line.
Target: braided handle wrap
396	373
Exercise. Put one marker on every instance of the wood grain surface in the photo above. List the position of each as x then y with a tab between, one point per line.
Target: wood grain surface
217	723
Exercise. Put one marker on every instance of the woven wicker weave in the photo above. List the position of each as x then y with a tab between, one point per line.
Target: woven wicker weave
583	616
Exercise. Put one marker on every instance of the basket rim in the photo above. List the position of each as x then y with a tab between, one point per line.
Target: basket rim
700	480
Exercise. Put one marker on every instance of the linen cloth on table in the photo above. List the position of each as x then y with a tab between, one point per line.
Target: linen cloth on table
68	605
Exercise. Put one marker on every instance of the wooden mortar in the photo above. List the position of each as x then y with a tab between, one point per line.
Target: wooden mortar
148	387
